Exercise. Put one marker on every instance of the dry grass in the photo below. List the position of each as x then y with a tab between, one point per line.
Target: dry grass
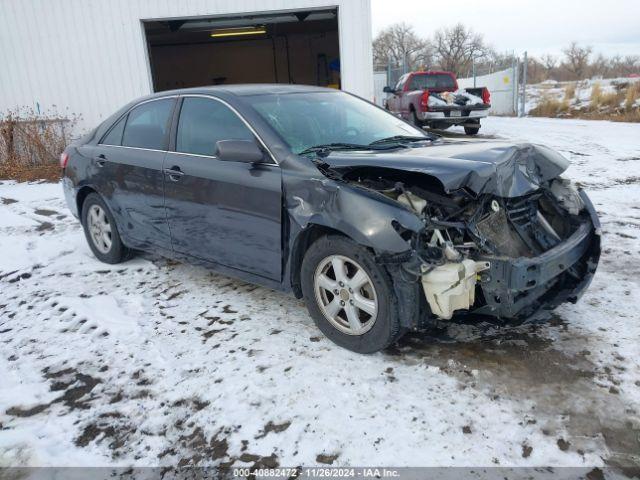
596	94
30	145
550	107
569	92
607	106
633	94
601	100
612	99
632	116
20	173
618	105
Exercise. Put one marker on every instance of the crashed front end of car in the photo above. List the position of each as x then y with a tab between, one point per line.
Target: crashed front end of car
502	233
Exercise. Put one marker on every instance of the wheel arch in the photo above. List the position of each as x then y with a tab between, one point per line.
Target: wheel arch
302	242
81	196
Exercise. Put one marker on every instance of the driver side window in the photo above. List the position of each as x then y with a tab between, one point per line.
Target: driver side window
204	121
400	85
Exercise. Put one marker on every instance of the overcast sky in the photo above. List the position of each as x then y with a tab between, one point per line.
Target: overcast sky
538	26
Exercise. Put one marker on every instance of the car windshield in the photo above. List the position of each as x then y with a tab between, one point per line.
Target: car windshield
313	119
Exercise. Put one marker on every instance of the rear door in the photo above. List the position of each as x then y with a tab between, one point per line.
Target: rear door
129	161
221	211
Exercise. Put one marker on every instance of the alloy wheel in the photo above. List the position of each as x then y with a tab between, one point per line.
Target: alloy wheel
99	228
345	294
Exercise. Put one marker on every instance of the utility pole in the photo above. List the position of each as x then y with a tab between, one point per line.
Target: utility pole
525	63
514	84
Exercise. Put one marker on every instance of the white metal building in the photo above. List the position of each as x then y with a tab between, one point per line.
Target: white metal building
89	57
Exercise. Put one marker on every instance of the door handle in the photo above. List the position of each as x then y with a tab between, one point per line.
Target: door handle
174	173
100	160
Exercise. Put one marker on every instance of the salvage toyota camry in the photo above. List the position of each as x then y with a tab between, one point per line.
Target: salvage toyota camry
379	226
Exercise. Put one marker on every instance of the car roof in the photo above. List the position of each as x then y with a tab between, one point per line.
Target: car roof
246	89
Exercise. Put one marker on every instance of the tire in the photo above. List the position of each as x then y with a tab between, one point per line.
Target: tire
115	251
471	129
377	332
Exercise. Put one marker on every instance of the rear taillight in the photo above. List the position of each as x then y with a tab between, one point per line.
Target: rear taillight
486	96
64	158
424	101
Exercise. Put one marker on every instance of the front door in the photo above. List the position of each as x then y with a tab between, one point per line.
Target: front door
395	100
221	211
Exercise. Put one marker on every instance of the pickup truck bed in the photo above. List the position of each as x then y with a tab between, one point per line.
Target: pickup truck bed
433	99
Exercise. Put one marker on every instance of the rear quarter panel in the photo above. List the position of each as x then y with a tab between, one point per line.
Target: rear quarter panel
78	173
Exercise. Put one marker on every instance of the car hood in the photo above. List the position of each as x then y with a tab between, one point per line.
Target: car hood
498	168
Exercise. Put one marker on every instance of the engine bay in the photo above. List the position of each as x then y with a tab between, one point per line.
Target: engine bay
464	233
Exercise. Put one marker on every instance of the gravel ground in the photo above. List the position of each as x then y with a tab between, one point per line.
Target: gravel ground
153	362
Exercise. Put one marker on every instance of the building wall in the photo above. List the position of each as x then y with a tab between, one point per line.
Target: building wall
88	57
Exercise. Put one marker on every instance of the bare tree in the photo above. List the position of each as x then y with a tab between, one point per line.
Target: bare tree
399	45
601	66
577	59
536	70
630	64
457	46
549	62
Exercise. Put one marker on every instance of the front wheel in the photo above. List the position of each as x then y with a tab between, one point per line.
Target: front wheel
349	296
415	120
101	231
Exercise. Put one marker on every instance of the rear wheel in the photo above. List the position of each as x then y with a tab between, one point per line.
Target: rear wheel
472	129
101	231
349	296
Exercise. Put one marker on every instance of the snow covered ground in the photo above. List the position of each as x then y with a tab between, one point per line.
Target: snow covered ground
157	363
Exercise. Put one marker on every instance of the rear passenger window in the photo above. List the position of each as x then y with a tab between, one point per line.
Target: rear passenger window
203	122
114	137
147	125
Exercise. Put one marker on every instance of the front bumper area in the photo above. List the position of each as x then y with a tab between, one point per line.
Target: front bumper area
529	287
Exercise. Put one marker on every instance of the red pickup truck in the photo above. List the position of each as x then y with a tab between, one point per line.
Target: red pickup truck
433	99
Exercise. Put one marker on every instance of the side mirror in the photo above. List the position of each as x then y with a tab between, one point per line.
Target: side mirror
388	89
239	151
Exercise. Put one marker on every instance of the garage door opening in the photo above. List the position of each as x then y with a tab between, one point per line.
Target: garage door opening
299	47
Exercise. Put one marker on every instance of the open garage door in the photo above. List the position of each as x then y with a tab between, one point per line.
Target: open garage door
292	47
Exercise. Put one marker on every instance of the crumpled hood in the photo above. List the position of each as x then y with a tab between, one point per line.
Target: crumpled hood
499	168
